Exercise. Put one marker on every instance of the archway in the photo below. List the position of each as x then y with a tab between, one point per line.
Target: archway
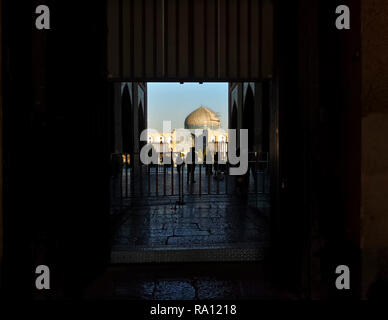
249	117
233	121
127	121
141	124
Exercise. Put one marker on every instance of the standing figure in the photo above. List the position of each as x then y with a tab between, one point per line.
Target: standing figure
216	172
193	158
208	163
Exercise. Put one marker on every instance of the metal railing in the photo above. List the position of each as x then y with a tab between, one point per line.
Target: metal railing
130	178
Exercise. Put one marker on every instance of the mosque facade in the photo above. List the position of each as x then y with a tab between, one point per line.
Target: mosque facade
204	125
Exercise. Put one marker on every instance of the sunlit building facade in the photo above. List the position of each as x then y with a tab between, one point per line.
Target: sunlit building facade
202	131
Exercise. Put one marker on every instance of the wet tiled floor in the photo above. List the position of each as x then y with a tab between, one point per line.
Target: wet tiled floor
210	249
201	222
209	222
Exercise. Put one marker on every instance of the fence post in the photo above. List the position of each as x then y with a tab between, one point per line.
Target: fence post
180	182
164	180
218	180
200	179
183	194
141	177
172	175
157	179
121	178
208	183
126	176
226	176
149	179
188	174
256	168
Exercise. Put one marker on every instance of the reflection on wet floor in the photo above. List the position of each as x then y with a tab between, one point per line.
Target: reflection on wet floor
211	222
204	222
212	247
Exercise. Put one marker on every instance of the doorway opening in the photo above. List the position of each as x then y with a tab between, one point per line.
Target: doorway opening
183	204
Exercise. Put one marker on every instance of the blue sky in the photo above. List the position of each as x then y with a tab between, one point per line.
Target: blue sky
174	101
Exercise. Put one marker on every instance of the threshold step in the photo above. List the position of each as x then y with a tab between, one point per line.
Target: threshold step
200	254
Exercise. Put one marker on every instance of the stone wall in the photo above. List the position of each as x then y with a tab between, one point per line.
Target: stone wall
374	198
1	153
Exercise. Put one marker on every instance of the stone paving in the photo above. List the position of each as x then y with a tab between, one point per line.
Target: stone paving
222	223
217	223
201	222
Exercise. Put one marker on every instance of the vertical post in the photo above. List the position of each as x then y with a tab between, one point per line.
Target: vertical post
226	176
121	178
126	175
208	183
256	168
141	177
179	182
190	188
149	179
183	194
218	168
218	181
200	179
164	180
172	175
235	182
156	179
191	182
188	174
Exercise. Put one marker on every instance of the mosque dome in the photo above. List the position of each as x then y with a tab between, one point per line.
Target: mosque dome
202	118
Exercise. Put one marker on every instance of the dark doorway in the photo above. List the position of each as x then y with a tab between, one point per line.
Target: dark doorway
233	121
141	124
249	117
314	137
126	123
195	213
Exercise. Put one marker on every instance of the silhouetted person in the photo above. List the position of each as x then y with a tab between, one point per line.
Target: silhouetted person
241	181
216	165
208	165
191	167
216	162
161	150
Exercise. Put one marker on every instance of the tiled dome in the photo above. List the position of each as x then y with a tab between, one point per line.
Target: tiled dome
202	118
